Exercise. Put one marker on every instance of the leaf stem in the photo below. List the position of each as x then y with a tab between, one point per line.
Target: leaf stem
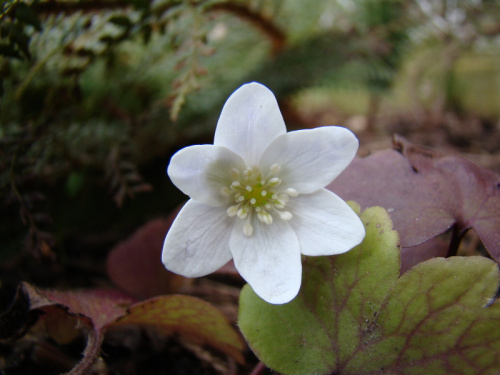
90	354
259	369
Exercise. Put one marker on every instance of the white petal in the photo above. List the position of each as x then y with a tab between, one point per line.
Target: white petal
269	260
249	121
201	171
311	159
325	224
198	241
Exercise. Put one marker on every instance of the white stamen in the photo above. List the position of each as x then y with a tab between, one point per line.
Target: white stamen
283	197
242	213
292	192
275	181
279	203
232	211
225	192
265	218
248	229
254	193
285	215
275	168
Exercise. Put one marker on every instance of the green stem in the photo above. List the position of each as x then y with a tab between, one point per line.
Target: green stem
32	73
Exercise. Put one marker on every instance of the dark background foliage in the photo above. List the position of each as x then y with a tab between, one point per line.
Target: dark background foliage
95	95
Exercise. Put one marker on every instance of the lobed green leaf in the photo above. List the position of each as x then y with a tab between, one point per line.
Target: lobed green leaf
354	315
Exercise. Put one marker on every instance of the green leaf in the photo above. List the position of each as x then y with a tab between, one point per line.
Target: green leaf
354	315
437	317
193	319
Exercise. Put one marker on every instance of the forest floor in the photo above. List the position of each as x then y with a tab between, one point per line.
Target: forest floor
144	352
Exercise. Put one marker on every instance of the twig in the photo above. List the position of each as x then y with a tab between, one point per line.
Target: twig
273	32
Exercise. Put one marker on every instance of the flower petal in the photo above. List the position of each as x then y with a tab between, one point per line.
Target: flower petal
269	260
249	121
311	159
325	224
198	241
201	171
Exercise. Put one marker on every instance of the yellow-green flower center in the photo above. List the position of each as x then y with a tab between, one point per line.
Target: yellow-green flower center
253	193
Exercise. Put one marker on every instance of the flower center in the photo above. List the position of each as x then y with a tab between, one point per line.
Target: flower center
253	193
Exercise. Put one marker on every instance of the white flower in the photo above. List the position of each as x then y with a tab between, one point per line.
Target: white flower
257	196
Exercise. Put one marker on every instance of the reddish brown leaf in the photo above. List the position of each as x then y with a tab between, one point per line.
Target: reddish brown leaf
60	326
411	256
135	264
99	307
96	309
192	318
426	194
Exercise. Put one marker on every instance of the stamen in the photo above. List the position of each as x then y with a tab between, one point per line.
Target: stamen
275	168
225	192
265	218
279	203
285	215
248	229
255	193
275	181
242	213
232	211
283	197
